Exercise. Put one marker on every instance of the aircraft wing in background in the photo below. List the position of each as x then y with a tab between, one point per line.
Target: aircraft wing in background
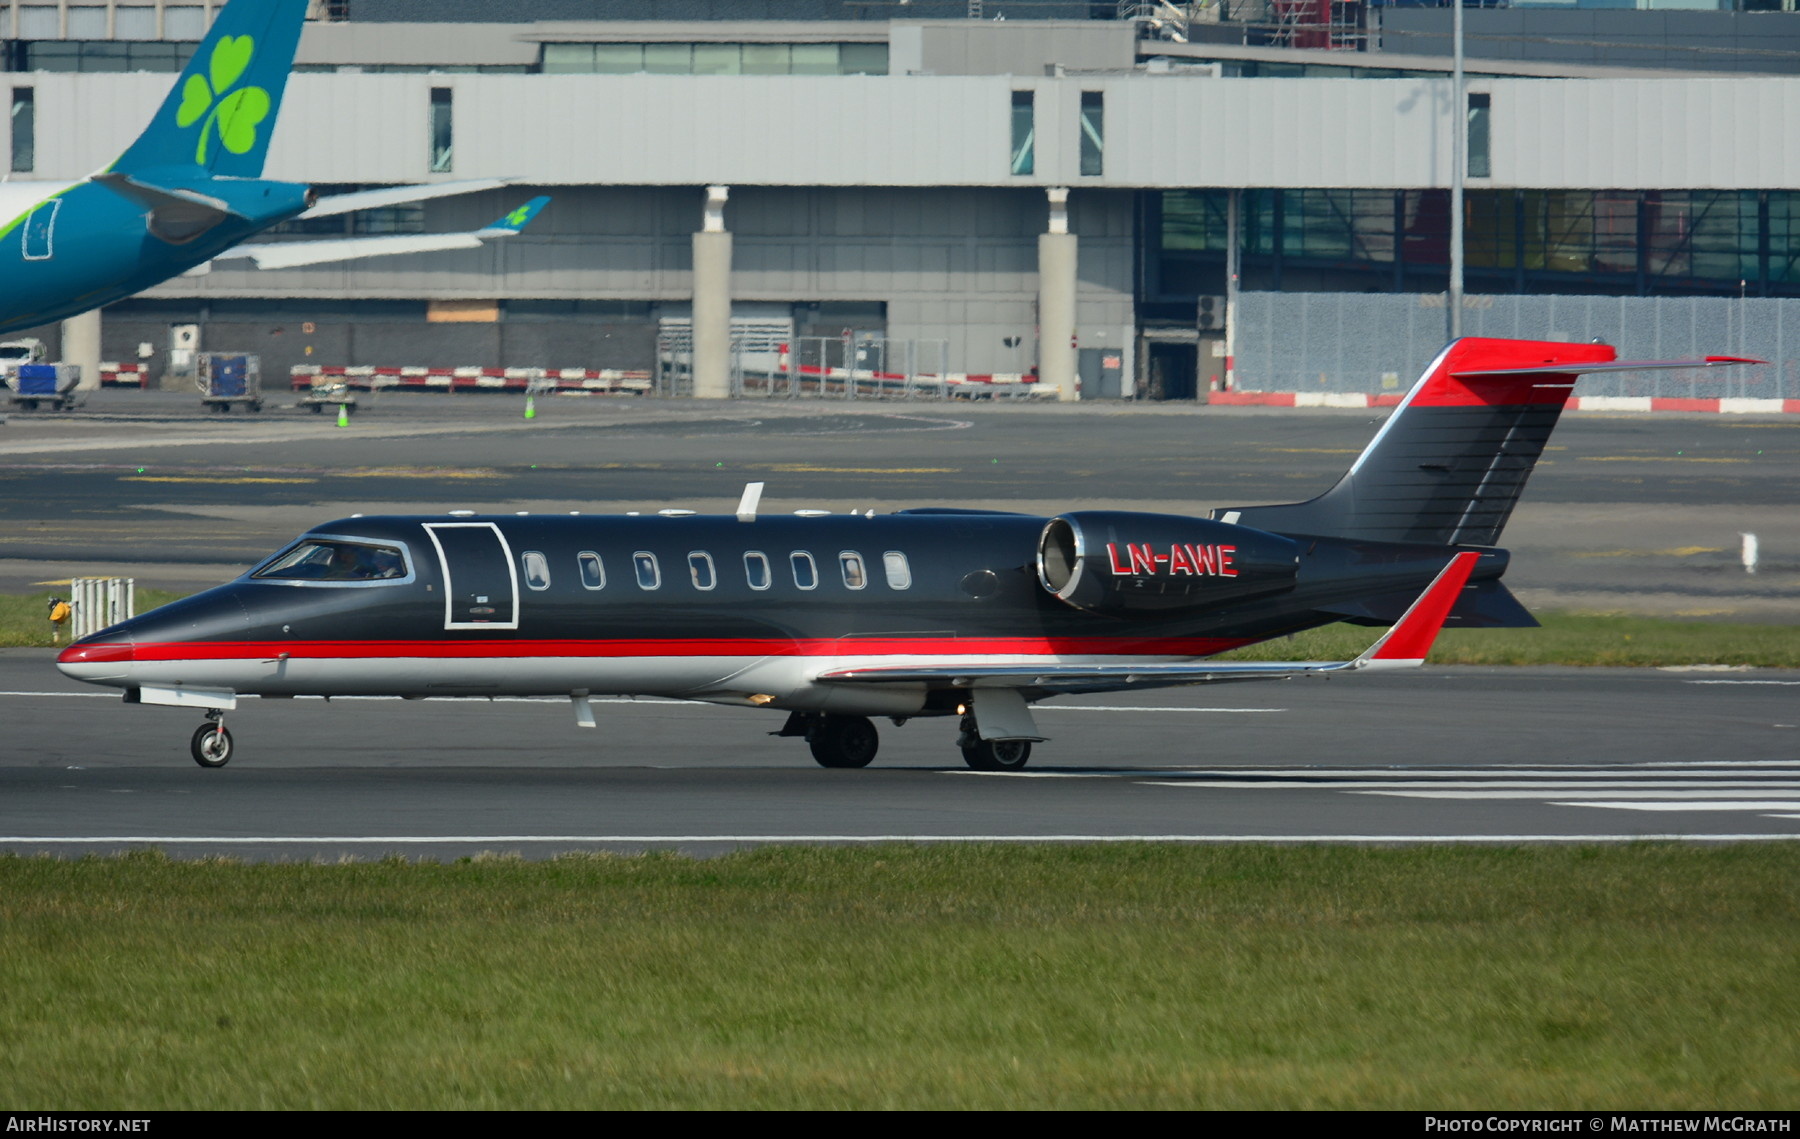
289	254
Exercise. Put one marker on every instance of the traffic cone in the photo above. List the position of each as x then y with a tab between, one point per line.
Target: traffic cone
530	407
343	415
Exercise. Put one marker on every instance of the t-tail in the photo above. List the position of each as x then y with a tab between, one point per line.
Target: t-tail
221	111
1449	465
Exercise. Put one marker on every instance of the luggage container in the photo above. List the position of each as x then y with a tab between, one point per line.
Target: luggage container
53	384
226	378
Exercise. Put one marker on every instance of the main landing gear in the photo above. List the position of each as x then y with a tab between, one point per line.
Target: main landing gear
991	755
843	741
852	741
211	746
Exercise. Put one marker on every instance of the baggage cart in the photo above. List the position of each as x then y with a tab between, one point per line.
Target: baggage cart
225	378
34	384
331	391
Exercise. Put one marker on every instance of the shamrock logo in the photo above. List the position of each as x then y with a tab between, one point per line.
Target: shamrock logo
518	216
234	113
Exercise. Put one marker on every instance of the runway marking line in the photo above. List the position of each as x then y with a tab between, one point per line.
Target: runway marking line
1720	805
212	480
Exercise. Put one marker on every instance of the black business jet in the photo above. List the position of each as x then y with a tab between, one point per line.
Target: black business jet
835	618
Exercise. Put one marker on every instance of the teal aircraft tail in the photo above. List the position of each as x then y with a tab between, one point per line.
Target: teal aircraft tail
221	112
515	220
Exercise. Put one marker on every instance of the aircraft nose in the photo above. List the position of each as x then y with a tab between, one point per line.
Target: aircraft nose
99	662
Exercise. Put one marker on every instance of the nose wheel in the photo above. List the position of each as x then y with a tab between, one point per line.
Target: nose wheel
211	745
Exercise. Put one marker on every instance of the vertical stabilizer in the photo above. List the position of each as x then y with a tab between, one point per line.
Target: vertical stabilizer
221	111
1450	463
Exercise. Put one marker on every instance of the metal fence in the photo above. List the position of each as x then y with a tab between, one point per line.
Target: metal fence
862	367
1381	342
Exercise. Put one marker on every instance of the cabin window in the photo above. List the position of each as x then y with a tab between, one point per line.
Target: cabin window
756	570
899	574
700	569
806	571
593	573
321	560
649	574
537	569
856	575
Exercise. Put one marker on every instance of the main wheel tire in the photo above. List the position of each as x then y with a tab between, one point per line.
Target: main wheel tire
845	741
211	745
998	755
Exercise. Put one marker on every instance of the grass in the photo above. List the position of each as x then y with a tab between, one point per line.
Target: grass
1140	976
1565	639
25	619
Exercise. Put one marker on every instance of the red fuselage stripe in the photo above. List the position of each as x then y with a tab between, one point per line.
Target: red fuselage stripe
466	648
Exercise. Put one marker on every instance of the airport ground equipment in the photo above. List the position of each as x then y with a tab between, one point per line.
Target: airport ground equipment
34	384
331	391
225	378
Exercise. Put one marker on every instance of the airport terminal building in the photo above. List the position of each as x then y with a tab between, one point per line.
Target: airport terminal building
1050	188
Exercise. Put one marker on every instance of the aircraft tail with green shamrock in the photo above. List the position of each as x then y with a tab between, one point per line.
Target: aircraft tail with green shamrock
190	188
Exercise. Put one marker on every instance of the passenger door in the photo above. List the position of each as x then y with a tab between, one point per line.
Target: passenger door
481	584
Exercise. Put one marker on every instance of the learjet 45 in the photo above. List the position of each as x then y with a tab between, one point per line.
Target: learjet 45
971	616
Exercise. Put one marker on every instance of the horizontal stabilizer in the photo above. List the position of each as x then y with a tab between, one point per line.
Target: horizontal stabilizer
1403	646
1450	463
397	196
175	215
1615	366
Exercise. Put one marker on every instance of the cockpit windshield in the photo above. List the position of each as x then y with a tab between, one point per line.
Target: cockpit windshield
319	560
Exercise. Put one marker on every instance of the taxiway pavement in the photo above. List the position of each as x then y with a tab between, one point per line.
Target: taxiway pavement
1443	755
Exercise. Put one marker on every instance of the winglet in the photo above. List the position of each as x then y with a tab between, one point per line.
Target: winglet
1406	644
516	220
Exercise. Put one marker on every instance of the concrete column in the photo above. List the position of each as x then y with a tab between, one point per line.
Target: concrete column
1233	272
81	345
712	301
1056	299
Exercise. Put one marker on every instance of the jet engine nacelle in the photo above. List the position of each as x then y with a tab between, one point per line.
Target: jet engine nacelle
1109	561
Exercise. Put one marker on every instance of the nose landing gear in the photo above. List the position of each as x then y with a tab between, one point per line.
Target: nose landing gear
211	745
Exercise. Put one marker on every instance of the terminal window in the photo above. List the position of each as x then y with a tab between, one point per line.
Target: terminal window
715	59
24	130
1024	134
441	134
1479	109
1093	132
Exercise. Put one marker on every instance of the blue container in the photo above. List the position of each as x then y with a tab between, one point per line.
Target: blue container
230	375
37	379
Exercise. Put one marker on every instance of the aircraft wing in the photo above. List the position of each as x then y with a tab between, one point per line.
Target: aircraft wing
288	254
1403	646
397	195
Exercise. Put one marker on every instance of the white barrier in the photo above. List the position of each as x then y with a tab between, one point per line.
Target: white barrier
100	601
